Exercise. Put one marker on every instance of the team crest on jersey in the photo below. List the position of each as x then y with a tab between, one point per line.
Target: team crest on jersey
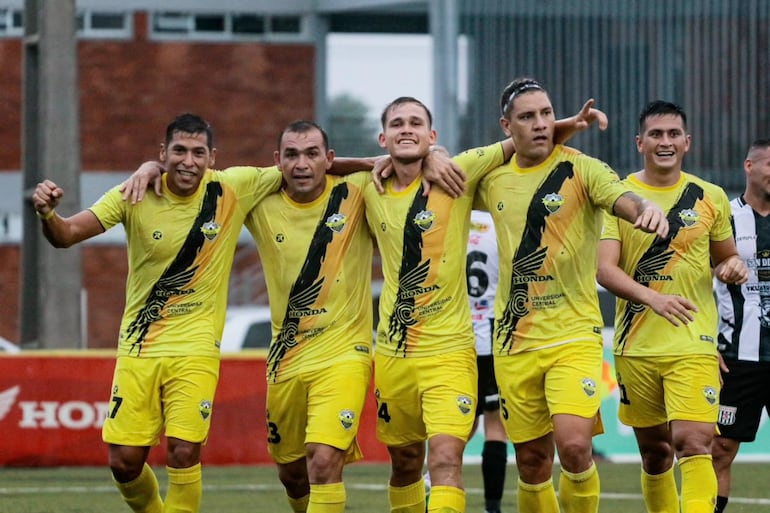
589	386
689	217
553	202
336	222
464	404
727	415
710	394
424	219
205	408
346	418
210	230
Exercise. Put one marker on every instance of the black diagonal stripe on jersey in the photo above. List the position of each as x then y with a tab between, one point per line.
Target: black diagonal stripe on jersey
658	255
306	288
179	273
411	276
529	256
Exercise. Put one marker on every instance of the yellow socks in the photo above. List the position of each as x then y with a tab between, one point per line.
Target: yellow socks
184	490
699	484
142	494
408	499
659	492
579	493
536	498
299	505
327	498
446	499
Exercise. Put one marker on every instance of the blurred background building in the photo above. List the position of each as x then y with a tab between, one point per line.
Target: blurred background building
251	66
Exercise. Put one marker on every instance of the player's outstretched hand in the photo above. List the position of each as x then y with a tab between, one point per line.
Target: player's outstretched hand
589	115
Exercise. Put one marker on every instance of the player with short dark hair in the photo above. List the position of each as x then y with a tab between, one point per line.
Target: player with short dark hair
666	319
744	322
546	205
180	246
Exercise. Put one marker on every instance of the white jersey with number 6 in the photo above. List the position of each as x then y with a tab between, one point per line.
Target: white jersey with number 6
481	271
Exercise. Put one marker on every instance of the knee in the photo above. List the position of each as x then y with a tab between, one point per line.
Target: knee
182	454
535	464
325	465
692	438
125	470
126	463
723	452
692	446
294	478
657	457
406	462
575	454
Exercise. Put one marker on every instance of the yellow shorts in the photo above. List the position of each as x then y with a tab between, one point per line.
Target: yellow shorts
420	397
321	406
535	385
150	394
658	389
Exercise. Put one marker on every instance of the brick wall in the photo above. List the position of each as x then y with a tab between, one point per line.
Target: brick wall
129	91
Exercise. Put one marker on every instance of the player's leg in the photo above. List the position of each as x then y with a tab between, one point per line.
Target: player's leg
294	478
494	456
189	385
527	422
286	420
139	489
642	407
406	488
692	403
335	398
448	410
401	429
745	393
133	425
573	394
658	482
723	452
534	461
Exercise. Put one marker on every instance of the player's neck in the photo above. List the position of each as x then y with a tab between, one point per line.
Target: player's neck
406	173
757	200
657	177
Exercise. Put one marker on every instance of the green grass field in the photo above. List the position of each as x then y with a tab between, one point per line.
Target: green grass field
255	489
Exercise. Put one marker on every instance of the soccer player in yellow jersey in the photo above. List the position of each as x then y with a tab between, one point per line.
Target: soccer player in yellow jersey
180	246
425	362
316	253
546	205
666	319
425	334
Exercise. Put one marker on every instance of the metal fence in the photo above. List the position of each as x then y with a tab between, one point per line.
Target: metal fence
709	56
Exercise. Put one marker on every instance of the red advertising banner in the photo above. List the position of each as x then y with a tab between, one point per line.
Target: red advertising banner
53	405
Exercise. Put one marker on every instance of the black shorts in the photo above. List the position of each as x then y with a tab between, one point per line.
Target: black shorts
489	394
746	391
